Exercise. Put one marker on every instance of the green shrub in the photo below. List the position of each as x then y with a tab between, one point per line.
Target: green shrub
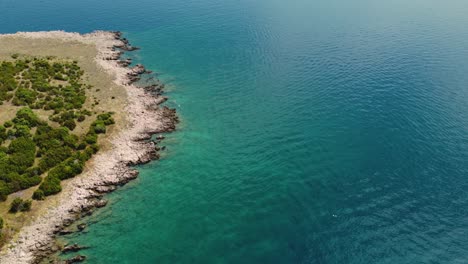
4	190
91	138
27	182
67	169
16	205
88	152
22	131
50	186
8	124
38	195
3	134
19	204
24	96
53	157
81	146
32	172
26	206
22	153
70	124
99	127
106	118
95	148
27	114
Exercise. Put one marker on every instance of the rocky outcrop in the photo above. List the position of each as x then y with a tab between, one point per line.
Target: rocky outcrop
134	74
155	89
124	43
124	63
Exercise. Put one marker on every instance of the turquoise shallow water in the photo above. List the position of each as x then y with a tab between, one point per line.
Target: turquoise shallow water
312	131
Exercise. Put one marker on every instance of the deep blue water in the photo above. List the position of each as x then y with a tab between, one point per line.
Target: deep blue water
312	131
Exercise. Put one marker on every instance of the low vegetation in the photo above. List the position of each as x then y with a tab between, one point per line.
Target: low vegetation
44	157
20	205
38	152
41	83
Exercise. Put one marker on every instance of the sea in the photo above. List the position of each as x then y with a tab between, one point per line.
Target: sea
312	131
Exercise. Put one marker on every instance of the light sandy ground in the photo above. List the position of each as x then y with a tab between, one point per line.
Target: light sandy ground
137	116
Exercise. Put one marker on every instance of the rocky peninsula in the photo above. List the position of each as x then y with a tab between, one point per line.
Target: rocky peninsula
138	115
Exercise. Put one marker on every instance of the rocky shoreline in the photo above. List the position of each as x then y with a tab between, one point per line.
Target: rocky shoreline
112	168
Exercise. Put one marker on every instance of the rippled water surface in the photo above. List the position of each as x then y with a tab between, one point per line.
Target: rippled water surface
312	131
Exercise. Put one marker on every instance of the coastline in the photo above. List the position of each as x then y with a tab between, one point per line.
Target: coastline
109	168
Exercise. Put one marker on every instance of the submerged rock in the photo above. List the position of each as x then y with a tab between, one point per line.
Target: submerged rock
104	189
81	227
73	248
124	63
101	203
76	259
